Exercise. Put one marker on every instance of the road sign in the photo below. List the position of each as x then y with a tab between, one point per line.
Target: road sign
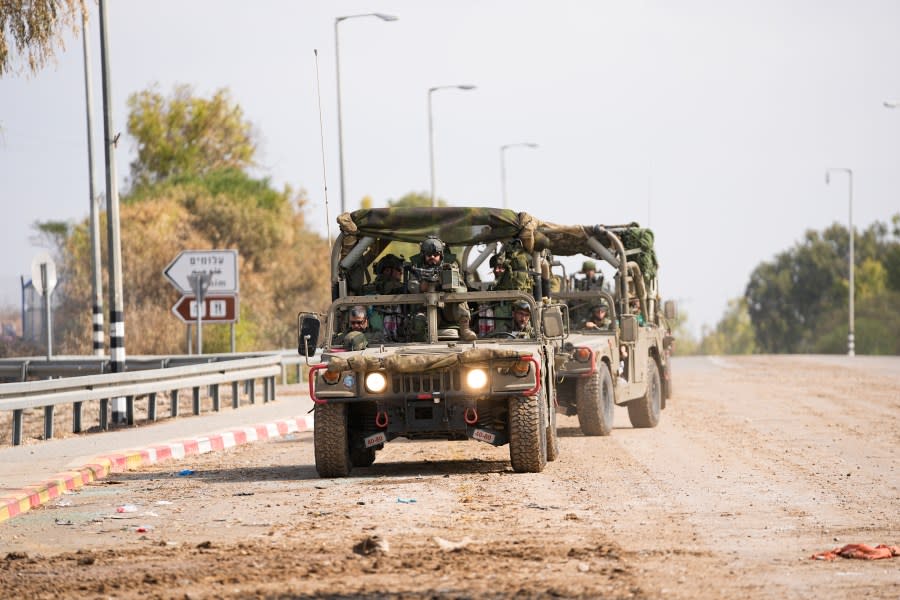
43	258
216	309
220	264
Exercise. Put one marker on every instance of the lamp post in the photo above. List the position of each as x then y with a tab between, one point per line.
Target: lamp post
503	149
431	130
849	172
337	63
892	103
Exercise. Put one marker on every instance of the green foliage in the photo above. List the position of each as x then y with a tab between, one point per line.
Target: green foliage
186	135
34	29
794	301
733	334
413	200
685	343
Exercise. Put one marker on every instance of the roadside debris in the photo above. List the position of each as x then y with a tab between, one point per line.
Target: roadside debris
449	546
406	500
862	551
371	545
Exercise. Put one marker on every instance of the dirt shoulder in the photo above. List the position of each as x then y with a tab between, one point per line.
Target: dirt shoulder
757	463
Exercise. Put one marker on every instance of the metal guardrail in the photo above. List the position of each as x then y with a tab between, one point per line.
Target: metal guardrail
80	379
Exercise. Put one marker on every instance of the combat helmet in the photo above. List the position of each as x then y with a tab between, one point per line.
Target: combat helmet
431	245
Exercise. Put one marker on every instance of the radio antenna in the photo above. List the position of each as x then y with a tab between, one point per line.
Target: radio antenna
322	141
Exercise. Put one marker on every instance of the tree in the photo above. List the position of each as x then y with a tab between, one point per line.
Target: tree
795	302
734	332
34	29
186	135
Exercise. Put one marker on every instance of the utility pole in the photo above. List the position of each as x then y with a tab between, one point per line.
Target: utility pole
117	310
97	317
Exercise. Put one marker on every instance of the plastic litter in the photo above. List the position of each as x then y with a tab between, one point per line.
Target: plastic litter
185	472
406	500
163	502
126	508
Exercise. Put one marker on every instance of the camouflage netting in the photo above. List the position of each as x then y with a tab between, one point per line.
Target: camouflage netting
454	225
416	362
642	239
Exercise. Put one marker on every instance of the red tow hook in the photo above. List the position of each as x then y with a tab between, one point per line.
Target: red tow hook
381	419
470	416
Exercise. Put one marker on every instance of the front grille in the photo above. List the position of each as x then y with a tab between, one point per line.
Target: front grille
427	383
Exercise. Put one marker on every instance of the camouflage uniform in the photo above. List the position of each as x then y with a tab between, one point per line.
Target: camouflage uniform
524	330
516	262
453	312
600	322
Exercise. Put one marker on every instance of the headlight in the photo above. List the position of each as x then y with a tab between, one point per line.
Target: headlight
376	382
476	379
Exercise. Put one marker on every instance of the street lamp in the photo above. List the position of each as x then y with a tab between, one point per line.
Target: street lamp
892	103
503	163
431	130
849	172
337	63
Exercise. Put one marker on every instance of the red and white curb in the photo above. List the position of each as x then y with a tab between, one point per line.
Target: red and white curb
33	496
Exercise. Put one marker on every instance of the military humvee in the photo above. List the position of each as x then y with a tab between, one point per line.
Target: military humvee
624	361
414	377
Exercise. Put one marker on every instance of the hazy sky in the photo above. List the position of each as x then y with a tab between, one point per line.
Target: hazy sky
713	122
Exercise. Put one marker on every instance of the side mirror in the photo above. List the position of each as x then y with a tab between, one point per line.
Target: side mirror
552	322
308	337
629	327
670	310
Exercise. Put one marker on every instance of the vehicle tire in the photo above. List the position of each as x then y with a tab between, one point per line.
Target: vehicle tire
552	437
332	444
644	412
527	434
362	457
596	403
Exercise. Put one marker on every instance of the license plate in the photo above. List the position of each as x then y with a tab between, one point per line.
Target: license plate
484	436
375	439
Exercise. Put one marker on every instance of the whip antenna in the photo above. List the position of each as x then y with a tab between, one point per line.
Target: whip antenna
322	141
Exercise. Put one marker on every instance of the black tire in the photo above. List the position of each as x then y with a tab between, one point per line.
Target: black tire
552	437
644	412
596	403
362	457
332	444
527	434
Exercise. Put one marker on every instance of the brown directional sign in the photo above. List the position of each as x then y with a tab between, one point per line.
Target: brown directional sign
217	309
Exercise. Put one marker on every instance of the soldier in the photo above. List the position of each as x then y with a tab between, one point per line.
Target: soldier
389	275
426	275
521	319
360	334
599	318
591	280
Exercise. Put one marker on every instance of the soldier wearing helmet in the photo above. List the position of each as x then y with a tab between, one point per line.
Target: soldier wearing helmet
521	319
599	318
389	275
427	274
591	280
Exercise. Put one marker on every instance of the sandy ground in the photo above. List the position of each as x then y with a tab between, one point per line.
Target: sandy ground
758	463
